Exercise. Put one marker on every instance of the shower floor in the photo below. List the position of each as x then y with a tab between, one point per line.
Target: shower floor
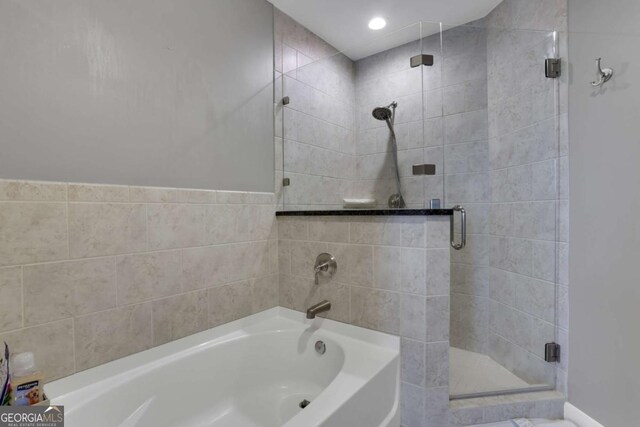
471	372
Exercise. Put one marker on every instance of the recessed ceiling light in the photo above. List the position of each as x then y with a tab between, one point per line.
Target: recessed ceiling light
377	23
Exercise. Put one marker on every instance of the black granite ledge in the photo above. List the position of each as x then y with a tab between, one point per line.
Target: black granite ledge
369	212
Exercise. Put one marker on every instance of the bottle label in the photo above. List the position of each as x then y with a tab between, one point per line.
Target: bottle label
27	393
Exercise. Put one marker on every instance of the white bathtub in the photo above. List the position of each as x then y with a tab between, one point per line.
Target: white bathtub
251	372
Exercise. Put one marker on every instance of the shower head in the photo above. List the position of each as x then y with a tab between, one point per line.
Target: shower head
384	113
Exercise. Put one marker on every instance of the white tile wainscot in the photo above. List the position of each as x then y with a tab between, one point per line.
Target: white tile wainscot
91	273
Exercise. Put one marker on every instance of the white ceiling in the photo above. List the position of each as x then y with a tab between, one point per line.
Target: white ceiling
343	23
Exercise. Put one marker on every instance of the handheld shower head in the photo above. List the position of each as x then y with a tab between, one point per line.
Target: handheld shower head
387	114
384	113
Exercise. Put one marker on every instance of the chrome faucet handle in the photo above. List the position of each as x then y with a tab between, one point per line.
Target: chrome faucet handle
322	267
318	268
325	263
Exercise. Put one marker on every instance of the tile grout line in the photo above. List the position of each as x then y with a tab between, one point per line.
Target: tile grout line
22	296
73	342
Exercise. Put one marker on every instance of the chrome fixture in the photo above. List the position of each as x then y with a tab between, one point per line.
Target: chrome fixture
326	264
424	169
304	404
320	347
388	114
604	74
419	60
320	307
385	113
396	201
435	204
552	68
463	228
551	352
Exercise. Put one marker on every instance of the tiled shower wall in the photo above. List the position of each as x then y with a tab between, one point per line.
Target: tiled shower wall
393	276
326	137
92	273
441	118
451	103
315	132
527	180
383	78
466	161
497	308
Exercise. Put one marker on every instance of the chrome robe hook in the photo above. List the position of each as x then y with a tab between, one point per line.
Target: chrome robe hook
604	74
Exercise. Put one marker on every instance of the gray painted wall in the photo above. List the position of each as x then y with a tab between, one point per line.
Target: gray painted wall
151	92
604	378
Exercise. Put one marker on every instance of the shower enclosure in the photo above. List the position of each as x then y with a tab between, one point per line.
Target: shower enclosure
334	149
472	120
501	157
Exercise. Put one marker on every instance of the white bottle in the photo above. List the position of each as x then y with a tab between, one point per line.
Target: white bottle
26	381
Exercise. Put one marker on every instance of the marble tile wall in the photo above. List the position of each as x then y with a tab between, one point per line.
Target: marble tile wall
92	273
315	131
393	276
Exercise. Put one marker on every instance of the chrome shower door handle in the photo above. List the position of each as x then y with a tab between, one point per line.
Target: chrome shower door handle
463	228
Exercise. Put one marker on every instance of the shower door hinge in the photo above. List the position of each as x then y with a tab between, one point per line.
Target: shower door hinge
286	100
552	68
286	182
551	352
418	60
426	169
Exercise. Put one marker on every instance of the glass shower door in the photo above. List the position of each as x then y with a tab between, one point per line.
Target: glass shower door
433	117
501	156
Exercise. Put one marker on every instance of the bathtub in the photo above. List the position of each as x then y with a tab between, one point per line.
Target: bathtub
255	371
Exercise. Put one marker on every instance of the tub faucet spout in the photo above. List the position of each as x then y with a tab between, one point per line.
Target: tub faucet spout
320	307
